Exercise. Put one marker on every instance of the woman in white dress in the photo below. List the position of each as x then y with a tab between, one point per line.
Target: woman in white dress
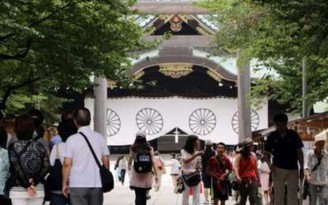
264	170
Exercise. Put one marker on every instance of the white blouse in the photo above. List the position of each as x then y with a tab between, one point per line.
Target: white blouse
320	175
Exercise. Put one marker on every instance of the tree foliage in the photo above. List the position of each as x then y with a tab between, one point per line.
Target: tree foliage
279	34
49	44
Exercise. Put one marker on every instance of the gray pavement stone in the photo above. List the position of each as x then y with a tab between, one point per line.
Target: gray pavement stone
123	195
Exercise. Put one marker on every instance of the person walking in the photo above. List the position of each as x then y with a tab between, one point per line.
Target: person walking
219	168
122	165
65	129
191	165
287	166
117	169
140	163
247	173
316	171
29	164
84	179
208	153
159	163
175	171
264	169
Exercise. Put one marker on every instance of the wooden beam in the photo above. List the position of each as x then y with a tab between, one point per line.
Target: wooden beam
168	8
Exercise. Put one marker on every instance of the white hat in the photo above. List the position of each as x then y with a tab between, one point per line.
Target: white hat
322	136
141	134
208	143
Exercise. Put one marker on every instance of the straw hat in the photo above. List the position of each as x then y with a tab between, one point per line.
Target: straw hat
247	142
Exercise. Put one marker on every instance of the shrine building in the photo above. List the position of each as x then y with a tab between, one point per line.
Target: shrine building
187	89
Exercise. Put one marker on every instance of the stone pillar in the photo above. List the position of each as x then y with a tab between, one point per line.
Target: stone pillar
244	104
99	118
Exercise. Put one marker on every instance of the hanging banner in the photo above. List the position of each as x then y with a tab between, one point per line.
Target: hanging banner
209	118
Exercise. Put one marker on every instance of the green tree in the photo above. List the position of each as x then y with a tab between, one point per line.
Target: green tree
49	44
278	34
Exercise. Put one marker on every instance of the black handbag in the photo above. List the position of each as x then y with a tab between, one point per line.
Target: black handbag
180	185
54	179
235	185
107	179
191	179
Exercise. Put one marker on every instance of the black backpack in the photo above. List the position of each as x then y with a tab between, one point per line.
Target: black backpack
143	162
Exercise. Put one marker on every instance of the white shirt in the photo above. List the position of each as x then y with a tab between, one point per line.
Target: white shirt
85	172
264	168
53	153
320	175
175	166
123	163
192	165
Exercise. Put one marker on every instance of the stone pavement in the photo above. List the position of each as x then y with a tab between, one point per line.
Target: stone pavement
122	195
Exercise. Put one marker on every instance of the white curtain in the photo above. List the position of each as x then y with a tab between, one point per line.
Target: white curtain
208	118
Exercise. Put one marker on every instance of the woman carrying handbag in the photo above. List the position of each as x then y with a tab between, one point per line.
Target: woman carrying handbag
191	167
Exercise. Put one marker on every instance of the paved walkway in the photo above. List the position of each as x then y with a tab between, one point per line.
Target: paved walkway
122	195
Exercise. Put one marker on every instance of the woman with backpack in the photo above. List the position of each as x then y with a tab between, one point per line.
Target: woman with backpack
191	168
141	162
29	164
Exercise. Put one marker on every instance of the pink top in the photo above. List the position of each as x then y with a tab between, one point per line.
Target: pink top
141	180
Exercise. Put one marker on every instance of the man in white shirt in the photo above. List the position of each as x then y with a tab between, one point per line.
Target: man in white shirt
79	164
316	171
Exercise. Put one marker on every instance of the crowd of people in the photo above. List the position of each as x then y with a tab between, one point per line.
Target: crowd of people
270	177
274	176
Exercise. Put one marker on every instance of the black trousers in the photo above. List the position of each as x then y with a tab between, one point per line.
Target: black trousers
140	196
122	175
4	200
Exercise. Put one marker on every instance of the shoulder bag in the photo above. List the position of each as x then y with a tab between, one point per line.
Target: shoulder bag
54	180
107	179
236	184
192	179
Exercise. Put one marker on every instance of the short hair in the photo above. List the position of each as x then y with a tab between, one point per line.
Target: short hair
280	117
82	116
24	127
37	117
221	143
66	129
